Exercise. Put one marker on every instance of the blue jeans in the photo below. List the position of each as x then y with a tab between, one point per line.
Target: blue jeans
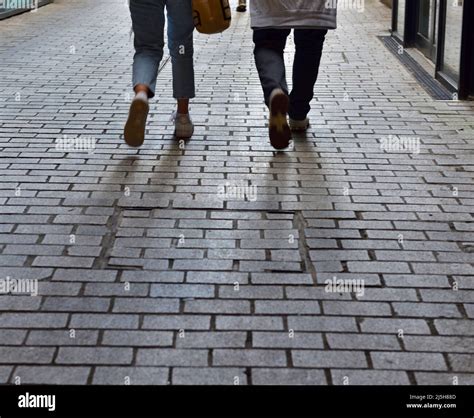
148	20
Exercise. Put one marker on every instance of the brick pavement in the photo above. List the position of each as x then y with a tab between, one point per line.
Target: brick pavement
207	262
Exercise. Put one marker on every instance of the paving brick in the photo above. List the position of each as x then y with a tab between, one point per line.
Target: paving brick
440	344
141	305
287	340
172	357
461	362
32	320
177	322
137	338
52	375
369	377
104	321
322	323
363	342
214	339
26	355
286	376
217	306
249	357
62	337
328	359
12	336
133	376
427	310
249	323
408	361
5	373
444	379
182	290
394	325
75	304
206	376
215	277
94	355
251	292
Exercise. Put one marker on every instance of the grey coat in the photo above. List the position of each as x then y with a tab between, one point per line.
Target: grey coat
317	14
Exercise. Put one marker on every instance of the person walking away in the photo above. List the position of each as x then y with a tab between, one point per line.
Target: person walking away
148	22
272	22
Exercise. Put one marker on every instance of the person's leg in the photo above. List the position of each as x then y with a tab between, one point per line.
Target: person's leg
242	7
148	22
309	48
180	42
269	59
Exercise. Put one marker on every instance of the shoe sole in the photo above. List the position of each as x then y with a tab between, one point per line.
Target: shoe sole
184	137
134	132
299	129
280	133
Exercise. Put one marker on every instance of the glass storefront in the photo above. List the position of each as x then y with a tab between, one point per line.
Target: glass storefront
443	31
401	18
453	35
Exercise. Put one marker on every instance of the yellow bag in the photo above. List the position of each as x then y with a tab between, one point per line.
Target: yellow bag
212	16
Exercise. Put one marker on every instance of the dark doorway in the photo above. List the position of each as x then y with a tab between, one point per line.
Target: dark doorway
426	27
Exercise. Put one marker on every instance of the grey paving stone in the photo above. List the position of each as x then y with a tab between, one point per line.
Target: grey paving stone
286	376
33	320
94	355
287	340
356	308
363	341
251	292
249	357
369	377
75	304
328	359
212	339
217	306
83	275
197	376
182	290
26	355
216	277
5	373
62	337
172	357
440	344
408	361
177	322
245	323
322	323
133	376
444	379
104	321
137	338
142	305
461	362
427	310
52	375
19	303
286	307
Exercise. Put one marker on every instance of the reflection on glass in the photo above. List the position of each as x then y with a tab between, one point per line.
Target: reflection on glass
452	45
401	18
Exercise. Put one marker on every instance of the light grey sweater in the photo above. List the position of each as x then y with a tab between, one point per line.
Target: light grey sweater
316	14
